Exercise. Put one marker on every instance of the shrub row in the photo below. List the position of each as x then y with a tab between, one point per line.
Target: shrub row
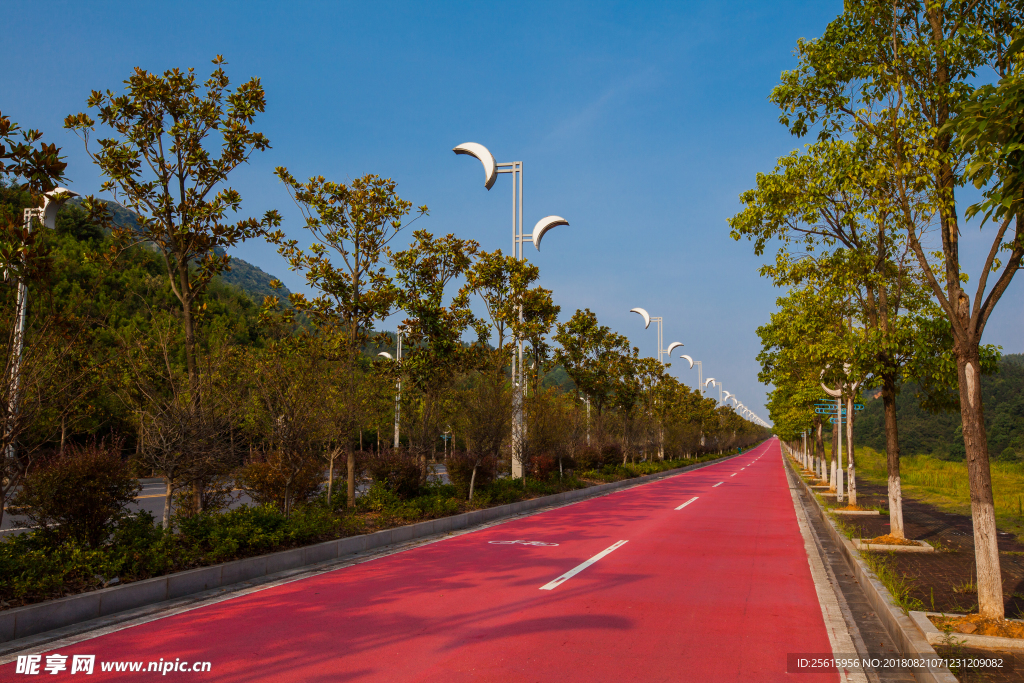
42	565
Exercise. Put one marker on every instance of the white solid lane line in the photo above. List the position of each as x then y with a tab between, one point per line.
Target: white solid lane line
718	484
576	570
686	503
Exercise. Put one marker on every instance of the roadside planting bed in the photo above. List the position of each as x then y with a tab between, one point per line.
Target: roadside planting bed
940	581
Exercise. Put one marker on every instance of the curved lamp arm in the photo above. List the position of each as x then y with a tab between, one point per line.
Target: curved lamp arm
477	150
543	225
643	314
51	202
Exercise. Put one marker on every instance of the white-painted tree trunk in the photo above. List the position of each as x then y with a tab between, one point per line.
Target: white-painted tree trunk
851	479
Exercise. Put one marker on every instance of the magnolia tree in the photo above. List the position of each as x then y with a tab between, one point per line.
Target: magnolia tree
159	161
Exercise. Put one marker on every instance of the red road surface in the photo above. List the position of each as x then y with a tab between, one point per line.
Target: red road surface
717	591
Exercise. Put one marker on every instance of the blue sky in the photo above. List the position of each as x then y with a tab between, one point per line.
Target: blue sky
638	122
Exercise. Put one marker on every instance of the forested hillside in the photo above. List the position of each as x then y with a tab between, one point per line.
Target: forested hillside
251	279
939	434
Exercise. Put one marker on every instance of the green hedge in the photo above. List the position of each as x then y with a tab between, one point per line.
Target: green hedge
35	567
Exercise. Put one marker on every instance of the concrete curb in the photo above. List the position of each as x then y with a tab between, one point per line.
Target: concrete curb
31	620
855	513
935	636
921	547
901	628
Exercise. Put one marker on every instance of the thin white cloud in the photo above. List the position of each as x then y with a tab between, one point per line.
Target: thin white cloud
592	113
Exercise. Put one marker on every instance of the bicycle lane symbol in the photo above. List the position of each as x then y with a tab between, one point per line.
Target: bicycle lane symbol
533	543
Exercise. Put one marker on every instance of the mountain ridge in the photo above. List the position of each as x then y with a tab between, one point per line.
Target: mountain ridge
248	277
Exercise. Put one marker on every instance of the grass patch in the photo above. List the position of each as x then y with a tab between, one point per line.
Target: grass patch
944	484
896	582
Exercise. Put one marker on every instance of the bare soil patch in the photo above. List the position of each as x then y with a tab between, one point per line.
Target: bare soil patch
942	581
887	539
980	626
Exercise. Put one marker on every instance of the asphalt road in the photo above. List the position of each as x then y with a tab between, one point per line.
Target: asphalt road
151	498
698	577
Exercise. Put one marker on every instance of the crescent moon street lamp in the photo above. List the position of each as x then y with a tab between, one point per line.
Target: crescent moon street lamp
712	382
491	171
398	383
47	215
836	469
700	373
647	323
849	389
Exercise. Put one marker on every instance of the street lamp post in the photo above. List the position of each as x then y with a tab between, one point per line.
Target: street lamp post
850	389
700	373
647	323
47	215
491	171
666	352
399	331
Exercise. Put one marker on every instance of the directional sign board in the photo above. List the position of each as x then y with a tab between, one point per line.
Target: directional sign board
830	408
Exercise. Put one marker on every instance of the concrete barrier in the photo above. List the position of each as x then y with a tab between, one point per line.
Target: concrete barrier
31	620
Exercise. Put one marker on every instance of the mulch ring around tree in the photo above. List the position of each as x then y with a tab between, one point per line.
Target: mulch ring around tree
945	581
980	626
887	539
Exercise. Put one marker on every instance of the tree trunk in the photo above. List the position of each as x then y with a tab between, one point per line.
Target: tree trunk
351	478
330	480
851	476
832	460
190	334
472	480
892	457
167	503
986	548
287	493
821	451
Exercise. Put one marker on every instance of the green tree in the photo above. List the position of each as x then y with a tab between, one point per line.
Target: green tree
435	325
158	163
831	209
591	355
351	226
901	74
